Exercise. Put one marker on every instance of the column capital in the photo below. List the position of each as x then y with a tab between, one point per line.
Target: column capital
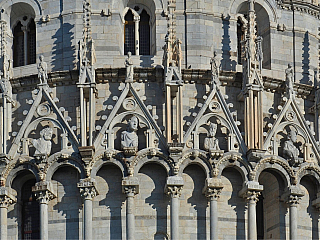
293	195
43	192
212	188
174	186
6	198
251	191
87	188
130	186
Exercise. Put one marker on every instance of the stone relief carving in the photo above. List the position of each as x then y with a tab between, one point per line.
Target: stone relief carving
42	70
289	79
129	68
290	151
211	143
129	138
43	144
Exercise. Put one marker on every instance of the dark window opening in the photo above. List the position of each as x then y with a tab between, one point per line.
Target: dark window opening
18	46
144	34
30	212
129	34
240	38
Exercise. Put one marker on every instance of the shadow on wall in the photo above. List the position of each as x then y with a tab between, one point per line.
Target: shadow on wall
114	199
226	62
66	179
157	200
306	59
198	200
63	51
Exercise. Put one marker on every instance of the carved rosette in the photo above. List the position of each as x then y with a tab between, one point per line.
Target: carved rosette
44	196
87	189
174	191
6	201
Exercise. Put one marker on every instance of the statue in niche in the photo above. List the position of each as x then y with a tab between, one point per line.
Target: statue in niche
129	68
290	151
42	71
43	144
211	143
215	67
129	138
289	79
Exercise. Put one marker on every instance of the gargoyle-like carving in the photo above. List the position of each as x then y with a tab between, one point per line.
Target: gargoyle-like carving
290	151
43	144
129	138
211	143
129	68
42	70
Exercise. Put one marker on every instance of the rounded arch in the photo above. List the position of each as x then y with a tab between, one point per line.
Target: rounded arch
103	162
310	171
199	160
235	161
34	4
75	163
268	5
145	160
33	125
276	164
153	5
26	166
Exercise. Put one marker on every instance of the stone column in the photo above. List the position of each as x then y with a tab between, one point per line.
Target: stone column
136	34
212	191
25	43
130	187
173	188
6	199
292	197
88	191
44	194
251	192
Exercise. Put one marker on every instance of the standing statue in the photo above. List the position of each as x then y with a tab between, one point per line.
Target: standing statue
42	71
211	143
129	138
215	67
289	79
129	68
290	151
43	144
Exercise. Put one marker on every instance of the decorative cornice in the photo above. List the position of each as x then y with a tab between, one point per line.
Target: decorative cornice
300	6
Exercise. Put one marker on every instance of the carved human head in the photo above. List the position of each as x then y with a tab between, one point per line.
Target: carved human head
41	58
292	135
289	65
46	133
129	54
133	124
214	53
212	130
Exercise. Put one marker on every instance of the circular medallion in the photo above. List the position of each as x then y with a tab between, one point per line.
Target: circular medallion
214	106
43	109
129	104
291	116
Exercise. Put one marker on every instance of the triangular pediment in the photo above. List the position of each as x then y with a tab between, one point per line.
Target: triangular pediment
129	104
43	113
290	118
215	110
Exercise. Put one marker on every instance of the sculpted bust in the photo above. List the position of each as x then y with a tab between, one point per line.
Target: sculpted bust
43	144
290	151
211	143
129	138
